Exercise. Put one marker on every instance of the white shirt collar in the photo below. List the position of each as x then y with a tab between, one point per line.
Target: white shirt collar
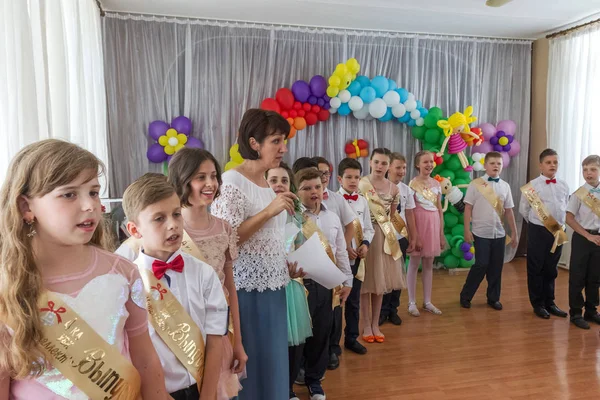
343	191
146	260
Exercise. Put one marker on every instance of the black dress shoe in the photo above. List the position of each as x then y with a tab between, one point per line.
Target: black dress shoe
382	319
464	303
580	322
554	310
541	312
592	317
496	305
395	319
356	347
334	361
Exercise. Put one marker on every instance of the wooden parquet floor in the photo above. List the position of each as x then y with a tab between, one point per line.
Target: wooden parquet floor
474	354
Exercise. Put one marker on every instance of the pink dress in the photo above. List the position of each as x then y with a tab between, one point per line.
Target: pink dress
456	144
109	296
218	245
427	221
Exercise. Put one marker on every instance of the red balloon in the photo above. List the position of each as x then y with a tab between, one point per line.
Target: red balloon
323	115
270	104
301	113
293	114
311	118
297	105
285	114
306	107
316	109
285	98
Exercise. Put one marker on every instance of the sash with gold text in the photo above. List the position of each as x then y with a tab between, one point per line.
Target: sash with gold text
424	191
488	193
390	245
359	237
81	355
560	237
589	200
174	325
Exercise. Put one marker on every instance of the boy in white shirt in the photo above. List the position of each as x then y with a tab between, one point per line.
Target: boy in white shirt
583	216
349	174
487	202
316	350
396	173
180	289
550	197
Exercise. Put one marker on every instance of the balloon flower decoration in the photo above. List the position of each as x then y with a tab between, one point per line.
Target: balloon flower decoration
170	139
499	138
456	126
357	148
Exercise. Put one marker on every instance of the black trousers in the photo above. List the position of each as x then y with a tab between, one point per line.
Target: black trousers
295	356
316	348
190	393
352	308
336	328
584	273
542	265
391	301
488	263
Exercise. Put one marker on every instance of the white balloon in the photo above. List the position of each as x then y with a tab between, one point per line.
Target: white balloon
478	167
335	102
332	110
476	157
344	96
377	108
369	118
398	110
362	113
411	105
420	121
356	103
411	97
415	114
391	98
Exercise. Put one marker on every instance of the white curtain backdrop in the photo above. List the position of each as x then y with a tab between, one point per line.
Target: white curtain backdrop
158	68
51	75
573	100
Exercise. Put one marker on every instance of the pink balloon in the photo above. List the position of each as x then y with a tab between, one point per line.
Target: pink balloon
505	160
508	126
515	147
488	130
484	147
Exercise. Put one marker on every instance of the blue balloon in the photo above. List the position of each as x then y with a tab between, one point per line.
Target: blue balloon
388	115
403	94
354	88
412	122
344	109
380	84
392	84
405	118
423	111
419	104
368	94
363	80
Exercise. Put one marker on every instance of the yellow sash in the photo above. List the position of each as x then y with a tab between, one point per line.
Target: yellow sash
589	200
488	193
424	191
359	237
399	224
81	355
187	245
174	325
560	237
308	229
390	245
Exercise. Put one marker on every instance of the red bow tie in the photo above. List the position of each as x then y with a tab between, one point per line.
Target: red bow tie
549	181
160	267
352	197
325	195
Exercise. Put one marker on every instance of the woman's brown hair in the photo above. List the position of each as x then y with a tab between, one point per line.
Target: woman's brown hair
259	124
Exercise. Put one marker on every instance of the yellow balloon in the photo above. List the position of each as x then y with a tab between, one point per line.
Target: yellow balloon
340	69
503	141
334	81
181	138
353	65
230	165
482	161
179	147
472	250
233	150
170	150
332	91
163	141
171	132
346	81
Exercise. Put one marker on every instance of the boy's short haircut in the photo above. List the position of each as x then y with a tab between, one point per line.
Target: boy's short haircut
307	174
348	163
148	189
492	154
304	162
547	153
397	156
593	159
320	160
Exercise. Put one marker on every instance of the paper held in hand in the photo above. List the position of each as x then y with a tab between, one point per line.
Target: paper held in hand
313	259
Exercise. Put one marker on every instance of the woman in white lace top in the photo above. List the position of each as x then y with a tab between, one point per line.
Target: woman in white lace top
260	272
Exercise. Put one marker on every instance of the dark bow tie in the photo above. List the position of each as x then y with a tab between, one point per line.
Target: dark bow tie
160	267
352	197
493	179
549	181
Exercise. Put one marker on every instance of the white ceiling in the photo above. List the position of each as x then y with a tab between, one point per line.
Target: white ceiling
518	19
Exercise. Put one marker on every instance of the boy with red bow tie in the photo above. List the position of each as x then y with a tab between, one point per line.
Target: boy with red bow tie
544	206
186	304
349	174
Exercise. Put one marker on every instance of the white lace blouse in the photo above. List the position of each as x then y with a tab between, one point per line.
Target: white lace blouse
261	261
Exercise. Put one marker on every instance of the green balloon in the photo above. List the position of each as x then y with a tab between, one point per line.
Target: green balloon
450	261
448	238
461	219
453	164
432	136
450	220
431	121
458	181
462	174
418	132
436	111
458	229
457	252
446	173
453	210
466	264
447	156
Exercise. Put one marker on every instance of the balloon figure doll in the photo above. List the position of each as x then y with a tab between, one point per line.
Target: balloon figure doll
457	124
